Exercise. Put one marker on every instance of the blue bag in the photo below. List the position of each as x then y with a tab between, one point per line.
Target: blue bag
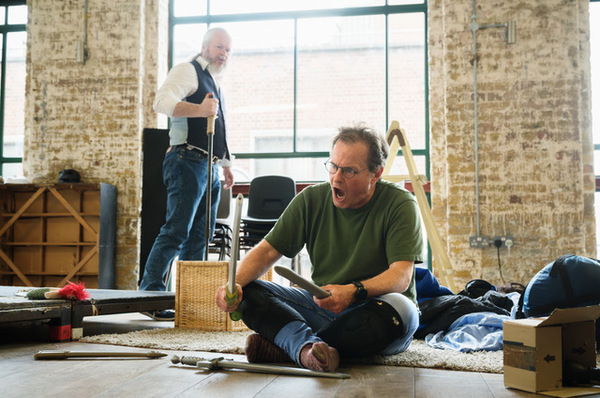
570	281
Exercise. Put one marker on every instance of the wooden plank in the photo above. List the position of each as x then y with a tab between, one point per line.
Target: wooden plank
297	387
164	380
435	384
227	384
380	381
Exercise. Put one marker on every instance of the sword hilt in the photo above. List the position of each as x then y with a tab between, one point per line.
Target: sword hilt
231	299
213	364
186	360
235	315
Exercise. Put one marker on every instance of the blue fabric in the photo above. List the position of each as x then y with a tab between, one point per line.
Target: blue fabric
471	332
477	331
296	334
185	174
428	286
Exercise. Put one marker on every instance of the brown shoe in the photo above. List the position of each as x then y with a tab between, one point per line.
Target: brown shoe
259	349
319	356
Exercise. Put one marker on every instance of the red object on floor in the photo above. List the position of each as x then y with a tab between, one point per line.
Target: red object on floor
60	333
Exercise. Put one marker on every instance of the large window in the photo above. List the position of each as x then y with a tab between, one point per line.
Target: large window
301	68
13	18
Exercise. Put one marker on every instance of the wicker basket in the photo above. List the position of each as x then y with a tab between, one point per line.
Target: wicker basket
195	307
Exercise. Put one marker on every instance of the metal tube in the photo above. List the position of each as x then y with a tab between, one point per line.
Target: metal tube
511	38
511	32
474	28
85	17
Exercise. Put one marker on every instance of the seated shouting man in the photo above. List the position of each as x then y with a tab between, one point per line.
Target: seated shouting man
363	236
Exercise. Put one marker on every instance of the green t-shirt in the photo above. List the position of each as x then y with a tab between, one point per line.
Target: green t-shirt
346	245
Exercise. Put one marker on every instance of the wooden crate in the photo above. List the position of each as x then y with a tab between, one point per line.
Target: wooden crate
196	288
54	233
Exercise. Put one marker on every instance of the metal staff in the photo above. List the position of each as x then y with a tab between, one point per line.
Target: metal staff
225	364
98	354
231	294
210	132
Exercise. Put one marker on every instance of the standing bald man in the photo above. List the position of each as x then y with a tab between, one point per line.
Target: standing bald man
190	94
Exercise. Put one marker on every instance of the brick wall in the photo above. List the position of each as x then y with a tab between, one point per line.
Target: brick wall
535	148
535	156
89	116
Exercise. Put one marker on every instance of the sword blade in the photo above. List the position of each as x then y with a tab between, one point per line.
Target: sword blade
225	364
235	244
313	289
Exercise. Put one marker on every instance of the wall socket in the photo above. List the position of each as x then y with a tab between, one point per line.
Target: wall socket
503	241
479	241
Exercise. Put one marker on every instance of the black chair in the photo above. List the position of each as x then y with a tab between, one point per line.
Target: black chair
267	199
221	242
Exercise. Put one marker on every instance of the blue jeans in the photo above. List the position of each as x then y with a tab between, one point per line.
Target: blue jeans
185	175
296	334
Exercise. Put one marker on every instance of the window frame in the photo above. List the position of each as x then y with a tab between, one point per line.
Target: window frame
4	30
385	10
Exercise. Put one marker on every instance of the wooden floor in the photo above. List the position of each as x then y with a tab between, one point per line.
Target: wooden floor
21	376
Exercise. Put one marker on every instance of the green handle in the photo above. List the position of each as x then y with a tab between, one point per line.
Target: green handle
235	315
231	300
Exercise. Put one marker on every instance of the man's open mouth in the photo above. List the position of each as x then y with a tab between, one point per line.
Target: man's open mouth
339	194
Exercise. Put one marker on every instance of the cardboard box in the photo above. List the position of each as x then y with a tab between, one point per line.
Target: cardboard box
536	348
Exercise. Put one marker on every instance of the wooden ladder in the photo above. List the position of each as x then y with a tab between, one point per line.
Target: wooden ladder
396	138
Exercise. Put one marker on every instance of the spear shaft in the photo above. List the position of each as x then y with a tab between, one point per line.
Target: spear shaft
97	354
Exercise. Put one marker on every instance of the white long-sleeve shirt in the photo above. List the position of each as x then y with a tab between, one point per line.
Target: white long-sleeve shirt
181	82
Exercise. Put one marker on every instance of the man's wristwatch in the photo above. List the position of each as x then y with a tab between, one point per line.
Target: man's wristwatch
360	296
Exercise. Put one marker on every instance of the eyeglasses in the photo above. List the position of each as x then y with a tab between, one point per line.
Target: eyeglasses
348	172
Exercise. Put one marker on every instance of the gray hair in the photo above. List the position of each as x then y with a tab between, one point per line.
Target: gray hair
209	35
377	145
206	40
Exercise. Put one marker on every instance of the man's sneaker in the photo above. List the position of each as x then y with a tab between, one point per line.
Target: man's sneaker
164	315
259	349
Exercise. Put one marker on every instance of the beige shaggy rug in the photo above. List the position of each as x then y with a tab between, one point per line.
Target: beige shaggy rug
418	354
